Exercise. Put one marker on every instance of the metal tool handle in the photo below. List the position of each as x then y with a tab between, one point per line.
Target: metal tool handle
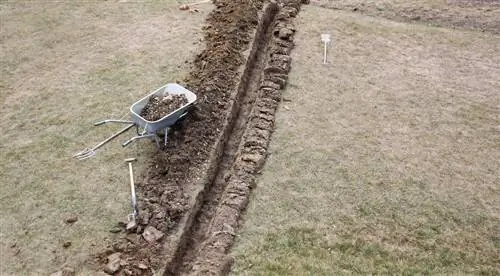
132	190
126	143
112	121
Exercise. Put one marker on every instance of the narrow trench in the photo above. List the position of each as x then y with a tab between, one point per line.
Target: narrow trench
182	262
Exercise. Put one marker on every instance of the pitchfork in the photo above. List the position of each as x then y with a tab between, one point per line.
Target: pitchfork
87	153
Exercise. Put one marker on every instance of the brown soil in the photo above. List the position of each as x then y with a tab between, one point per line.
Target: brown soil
158	107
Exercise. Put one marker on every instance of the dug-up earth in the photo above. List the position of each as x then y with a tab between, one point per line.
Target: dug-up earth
65	65
385	160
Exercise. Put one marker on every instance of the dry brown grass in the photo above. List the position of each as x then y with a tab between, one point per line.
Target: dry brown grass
386	159
65	65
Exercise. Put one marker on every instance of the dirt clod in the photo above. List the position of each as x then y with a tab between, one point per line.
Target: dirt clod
285	33
66	244
113	264
71	219
115	230
152	234
158	106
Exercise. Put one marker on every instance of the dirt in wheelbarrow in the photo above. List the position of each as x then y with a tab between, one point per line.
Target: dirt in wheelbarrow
158	107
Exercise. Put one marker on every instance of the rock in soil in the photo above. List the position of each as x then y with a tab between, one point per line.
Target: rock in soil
66	244
71	219
151	234
113	264
158	106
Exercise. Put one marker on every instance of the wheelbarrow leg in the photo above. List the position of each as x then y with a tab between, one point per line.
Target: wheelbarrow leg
166	137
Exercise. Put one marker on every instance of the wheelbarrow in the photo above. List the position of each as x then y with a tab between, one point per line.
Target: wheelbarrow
153	130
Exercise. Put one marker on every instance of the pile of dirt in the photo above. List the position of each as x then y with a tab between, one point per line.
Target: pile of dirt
164	194
158	106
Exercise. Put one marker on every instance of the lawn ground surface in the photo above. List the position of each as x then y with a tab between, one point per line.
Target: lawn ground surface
65	65
385	160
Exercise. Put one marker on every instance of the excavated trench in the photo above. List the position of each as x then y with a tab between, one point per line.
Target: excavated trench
193	195
249	91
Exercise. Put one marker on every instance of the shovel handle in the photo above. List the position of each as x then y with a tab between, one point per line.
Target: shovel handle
132	189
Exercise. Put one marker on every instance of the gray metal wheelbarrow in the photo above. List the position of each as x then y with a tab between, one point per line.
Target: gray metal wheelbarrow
154	130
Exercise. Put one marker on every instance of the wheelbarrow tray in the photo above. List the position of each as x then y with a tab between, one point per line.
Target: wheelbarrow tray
167	120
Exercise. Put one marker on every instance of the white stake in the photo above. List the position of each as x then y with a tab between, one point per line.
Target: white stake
326	39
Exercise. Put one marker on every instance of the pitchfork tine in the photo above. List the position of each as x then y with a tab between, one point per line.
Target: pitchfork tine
86	153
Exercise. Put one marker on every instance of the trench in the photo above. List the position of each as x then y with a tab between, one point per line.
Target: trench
183	260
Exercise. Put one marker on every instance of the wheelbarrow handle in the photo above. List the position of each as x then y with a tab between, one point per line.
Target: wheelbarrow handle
112	121
126	143
113	136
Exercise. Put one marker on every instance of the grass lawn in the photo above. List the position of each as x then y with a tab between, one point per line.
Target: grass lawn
65	65
385	160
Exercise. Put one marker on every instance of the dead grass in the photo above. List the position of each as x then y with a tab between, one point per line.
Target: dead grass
476	16
386	160
64	66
